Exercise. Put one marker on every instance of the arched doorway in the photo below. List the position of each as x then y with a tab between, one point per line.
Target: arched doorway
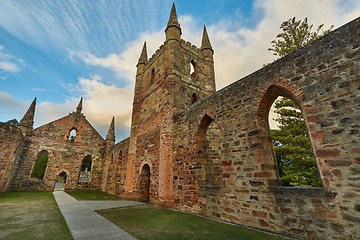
60	181
145	183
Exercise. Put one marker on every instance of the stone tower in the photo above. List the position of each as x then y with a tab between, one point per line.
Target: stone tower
175	77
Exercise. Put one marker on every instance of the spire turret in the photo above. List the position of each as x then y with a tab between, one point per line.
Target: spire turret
110	137
205	43
173	30
143	57
79	107
27	122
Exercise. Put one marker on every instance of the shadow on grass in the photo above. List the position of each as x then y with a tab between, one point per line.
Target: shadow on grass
31	215
146	222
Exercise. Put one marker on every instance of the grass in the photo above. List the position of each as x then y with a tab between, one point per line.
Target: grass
145	223
92	195
31	215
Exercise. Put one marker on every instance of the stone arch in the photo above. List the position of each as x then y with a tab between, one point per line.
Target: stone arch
207	152
270	92
145	182
58	184
274	89
40	165
86	168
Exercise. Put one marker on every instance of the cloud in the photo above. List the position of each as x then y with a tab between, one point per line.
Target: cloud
123	64
240	51
9	66
12	107
9	63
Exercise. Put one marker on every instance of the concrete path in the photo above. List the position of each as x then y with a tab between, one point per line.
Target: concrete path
85	223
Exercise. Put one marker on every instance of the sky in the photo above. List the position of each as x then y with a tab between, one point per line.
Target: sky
60	51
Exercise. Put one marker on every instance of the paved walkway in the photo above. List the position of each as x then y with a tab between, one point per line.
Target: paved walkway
85	223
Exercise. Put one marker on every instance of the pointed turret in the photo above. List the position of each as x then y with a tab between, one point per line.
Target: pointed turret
173	30
143	59
205	43
27	122
110	137
79	107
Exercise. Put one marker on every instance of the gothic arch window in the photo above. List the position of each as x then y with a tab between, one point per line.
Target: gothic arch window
207	153
85	169
193	98
72	135
40	165
290	143
152	78
193	68
145	183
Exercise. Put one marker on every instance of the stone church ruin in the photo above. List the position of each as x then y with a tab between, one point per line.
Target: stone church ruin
209	152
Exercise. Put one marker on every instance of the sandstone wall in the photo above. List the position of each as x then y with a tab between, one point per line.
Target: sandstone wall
63	156
324	79
11	140
117	168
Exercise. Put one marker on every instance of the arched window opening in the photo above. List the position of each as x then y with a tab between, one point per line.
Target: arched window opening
193	98
292	146
85	169
145	183
193	68
72	135
152	78
40	166
60	181
208	153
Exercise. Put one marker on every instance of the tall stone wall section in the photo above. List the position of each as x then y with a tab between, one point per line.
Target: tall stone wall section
323	78
12	141
117	168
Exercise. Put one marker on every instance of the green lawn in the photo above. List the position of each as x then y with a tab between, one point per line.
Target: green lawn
31	215
92	195
146	223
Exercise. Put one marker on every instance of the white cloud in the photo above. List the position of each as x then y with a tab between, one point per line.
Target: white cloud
240	51
9	63
9	66
123	64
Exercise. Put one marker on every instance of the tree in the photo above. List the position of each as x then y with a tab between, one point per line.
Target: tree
295	35
294	156
40	166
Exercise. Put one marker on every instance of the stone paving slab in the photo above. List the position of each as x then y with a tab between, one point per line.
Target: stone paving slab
85	223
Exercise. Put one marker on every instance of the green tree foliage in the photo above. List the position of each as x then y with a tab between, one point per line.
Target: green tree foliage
40	166
295	159
295	35
296	162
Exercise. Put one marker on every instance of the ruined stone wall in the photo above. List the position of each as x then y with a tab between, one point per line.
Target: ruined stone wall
324	79
63	156
12	141
117	168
